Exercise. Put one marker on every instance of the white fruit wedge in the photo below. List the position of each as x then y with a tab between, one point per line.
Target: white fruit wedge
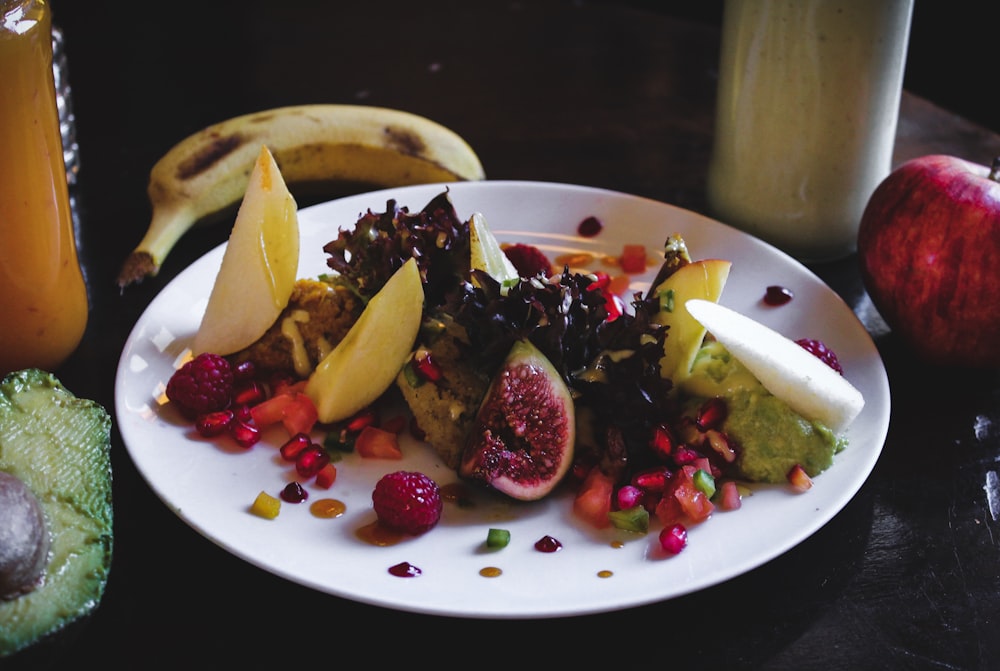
487	255
259	266
704	279
787	370
363	365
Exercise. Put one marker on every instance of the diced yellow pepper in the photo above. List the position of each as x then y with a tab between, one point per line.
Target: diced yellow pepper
266	506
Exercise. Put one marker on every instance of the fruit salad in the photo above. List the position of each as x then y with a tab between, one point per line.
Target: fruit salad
526	376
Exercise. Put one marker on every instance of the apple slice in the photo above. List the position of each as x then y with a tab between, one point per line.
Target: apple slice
486	253
259	267
367	360
702	279
786	369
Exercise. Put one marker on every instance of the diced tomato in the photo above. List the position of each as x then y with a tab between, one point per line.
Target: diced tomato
633	258
326	476
593	498
684	502
376	443
799	479
729	495
300	415
270	412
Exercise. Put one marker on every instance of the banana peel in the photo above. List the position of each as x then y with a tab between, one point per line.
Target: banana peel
208	172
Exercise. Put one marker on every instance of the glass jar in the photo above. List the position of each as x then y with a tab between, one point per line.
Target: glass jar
43	296
808	102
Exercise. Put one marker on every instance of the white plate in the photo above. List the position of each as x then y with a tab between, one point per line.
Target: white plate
211	487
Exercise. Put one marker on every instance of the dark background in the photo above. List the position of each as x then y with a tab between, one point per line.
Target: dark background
952	54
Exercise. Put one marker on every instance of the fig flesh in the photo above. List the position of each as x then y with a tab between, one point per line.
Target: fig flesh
522	440
24	538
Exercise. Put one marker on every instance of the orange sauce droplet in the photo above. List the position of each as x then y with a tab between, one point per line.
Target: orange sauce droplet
617	544
575	259
327	508
376	534
490	572
604	574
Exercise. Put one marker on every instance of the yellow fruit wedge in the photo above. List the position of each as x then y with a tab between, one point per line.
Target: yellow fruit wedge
487	255
704	280
787	370
363	365
259	266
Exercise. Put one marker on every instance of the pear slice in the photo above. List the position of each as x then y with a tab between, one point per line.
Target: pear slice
486	253
367	360
703	279
787	370
259	266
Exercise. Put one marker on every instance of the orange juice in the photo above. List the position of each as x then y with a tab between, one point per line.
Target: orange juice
43	297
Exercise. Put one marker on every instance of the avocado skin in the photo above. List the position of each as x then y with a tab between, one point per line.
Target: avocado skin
60	447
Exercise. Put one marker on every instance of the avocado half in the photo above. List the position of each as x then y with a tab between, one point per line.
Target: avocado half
59	446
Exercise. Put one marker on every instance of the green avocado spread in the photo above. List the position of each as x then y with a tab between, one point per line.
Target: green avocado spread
771	437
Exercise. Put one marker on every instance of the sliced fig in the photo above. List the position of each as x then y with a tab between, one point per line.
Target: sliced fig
523	437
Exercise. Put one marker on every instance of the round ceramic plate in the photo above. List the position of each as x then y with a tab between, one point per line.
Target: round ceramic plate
211	485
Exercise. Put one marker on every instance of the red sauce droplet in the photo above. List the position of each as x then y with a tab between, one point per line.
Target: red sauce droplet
548	544
777	295
589	227
405	570
294	493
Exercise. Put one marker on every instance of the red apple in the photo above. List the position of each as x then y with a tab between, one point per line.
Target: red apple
929	248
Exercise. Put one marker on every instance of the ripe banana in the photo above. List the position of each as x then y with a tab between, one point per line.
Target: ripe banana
208	172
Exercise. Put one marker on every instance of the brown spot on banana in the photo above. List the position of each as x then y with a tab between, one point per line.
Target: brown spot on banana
367	147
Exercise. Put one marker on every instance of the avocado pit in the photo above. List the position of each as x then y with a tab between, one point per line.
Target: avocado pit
24	539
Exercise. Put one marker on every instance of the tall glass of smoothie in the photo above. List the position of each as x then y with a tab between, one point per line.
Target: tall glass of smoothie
808	102
43	296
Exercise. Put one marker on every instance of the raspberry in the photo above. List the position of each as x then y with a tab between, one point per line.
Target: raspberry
407	501
819	349
204	384
528	259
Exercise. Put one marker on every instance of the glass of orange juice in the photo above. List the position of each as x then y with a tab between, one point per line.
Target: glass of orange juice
43	296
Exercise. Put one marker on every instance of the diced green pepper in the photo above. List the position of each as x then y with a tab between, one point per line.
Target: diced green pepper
705	483
497	538
635	518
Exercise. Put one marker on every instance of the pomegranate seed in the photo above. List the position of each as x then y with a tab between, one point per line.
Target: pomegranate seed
294	493
777	295
213	424
244	371
653	480
363	418
245	435
711	414
673	538
663	441
242	413
628	496
292	447
311	460
685	455
249	393
426	367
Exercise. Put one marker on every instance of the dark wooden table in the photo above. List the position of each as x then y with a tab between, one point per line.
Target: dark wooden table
907	576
